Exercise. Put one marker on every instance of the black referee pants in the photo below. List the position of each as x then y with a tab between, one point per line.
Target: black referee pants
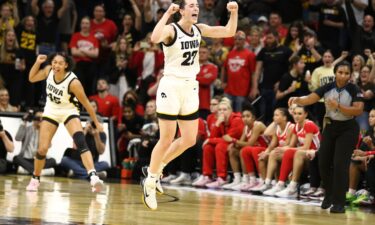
338	143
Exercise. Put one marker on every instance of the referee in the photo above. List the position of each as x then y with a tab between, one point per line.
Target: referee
343	101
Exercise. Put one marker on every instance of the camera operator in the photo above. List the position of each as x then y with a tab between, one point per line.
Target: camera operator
96	140
29	136
6	145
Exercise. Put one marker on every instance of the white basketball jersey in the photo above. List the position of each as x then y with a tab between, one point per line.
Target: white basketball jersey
58	96
181	56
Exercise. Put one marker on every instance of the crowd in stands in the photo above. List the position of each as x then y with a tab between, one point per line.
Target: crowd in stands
282	49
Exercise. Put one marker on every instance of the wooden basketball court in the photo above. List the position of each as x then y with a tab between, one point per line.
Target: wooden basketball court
69	201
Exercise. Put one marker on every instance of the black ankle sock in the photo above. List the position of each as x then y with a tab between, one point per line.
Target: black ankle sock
92	173
36	177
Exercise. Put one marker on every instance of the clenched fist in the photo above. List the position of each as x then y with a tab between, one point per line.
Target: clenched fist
232	7
41	59
173	8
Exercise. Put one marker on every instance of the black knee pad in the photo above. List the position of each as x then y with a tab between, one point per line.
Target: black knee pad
80	141
39	156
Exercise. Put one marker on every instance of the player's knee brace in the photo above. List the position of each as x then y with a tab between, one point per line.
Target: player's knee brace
39	156
80	141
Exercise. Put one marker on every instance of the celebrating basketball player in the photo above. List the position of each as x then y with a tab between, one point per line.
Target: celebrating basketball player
63	93
177	95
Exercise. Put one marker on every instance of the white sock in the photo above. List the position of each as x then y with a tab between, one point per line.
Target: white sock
293	185
252	179
281	183
237	176
151	176
267	181
245	178
161	167
351	191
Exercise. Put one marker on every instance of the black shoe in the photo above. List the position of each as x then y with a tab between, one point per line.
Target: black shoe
326	203
337	209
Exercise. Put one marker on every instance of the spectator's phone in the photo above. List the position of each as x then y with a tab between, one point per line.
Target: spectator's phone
93	124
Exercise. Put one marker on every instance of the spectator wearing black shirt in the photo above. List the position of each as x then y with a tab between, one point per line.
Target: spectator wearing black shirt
129	129
292	83
11	64
331	23
343	102
310	51
47	24
26	37
368	89
132	25
6	145
273	61
362	37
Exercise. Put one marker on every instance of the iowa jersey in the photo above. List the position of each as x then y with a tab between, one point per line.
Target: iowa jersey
181	57
58	96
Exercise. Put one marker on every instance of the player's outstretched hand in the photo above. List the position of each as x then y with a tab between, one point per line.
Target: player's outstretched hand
173	8
41	59
232	7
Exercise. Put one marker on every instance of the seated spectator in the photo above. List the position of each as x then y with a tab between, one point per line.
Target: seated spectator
131	98
108	105
6	145
244	151
129	128
228	127
10	70
363	163
72	162
5	106
29	136
85	49
121	78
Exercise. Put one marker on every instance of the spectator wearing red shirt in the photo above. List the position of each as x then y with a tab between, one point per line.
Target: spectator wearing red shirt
105	31
84	48
108	105
237	71
276	23
205	77
147	59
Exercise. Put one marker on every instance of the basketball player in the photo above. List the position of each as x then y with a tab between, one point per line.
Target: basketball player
177	96
63	93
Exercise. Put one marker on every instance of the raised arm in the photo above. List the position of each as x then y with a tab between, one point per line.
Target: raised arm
138	15
37	74
76	88
222	31
161	32
34	7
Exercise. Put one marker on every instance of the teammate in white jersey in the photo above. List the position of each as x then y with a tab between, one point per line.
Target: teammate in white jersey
177	95
63	93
